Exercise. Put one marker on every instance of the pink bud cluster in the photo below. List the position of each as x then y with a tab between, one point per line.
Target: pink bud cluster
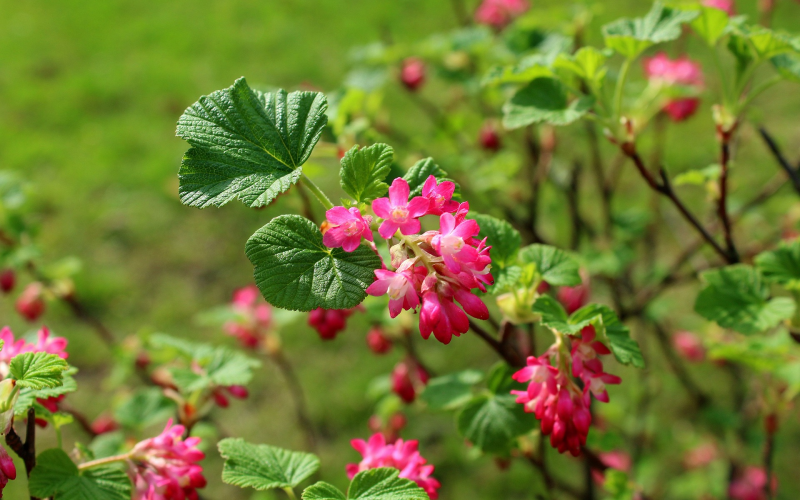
499	13
681	71
401	455
165	467
433	270
553	395
253	317
329	322
30	304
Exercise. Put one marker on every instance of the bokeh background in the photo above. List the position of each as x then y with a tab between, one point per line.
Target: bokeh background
90	92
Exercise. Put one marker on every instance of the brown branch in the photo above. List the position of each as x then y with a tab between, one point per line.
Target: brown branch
722	202
791	171
27	450
511	357
79	417
701	400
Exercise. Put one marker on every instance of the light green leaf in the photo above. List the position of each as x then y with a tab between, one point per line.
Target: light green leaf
611	331
781	265
419	173
698	177
768	43
27	395
556	266
247	144
788	65
364	170
710	24
264	467
55	475
502	237
736	297
555	317
544	100
588	63
228	367
524	71
492	422
450	391
323	491
294	270
38	370
630	37
145	407
384	484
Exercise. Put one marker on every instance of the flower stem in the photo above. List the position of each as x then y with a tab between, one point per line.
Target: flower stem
104	461
317	192
290	493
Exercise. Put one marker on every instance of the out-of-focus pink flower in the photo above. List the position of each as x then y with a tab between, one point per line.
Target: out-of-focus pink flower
440	196
412	73
8	279
408	378
346	228
729	6
489	138
573	297
7	469
401	455
681	109
618	460
377	341
166	467
689	346
52	345
398	212
750	483
51	403
329	322
701	455
104	424
238	391
681	71
30	304
499	13
254	317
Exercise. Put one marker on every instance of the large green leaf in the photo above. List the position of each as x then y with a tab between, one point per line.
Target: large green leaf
264	467
451	391
736	297
502	237
554	316
145	407
55	475
364	171
384	484
556	266
630	37
587	63
710	24
247	144
492	422
38	370
544	100
781	265
294	270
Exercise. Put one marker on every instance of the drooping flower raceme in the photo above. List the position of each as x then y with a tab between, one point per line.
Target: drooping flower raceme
552	394
499	13
671	72
166	467
401	455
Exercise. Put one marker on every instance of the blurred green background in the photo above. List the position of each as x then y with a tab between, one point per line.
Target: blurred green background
90	92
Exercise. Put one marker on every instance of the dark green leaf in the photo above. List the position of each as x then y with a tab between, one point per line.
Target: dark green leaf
555	317
503	238
556	267
384	484
264	467
492	422
55	475
294	270
450	391
544	100
419	173
144	408
364	170
323	491
781	265
246	144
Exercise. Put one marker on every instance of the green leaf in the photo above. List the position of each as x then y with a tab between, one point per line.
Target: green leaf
611	331
736	297
55	475
492	422
247	144
710	24
38	370
294	270
27	395
502	237
228	367
788	65
419	173
630	37
450	391
363	171
499	379
544	100
144	408
323	491
781	265
384	484
526	70
555	317
698	177
588	63
768	43
264	467
556	267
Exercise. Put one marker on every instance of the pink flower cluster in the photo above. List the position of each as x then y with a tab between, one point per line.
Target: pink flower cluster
750	485
253	317
8	472
499	13
682	71
555	398
165	467
401	455
13	347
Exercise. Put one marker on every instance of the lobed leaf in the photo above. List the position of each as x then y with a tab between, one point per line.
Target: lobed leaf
502	237
710	24
544	100
364	170
611	331
556	266
587	63
384	484
264	467
451	391
781	265
55	475
419	173
630	37
492	422
38	370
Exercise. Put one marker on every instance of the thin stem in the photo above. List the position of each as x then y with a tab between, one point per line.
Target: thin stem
290	493
722	203
792	172
317	192
701	400
104	461
623	76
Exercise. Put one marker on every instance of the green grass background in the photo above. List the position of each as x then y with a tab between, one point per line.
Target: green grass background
90	92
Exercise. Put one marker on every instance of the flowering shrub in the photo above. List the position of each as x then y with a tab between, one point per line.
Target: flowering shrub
460	244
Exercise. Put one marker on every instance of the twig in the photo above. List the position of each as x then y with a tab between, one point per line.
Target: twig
792	172
722	202
511	357
79	417
27	450
551	482
701	400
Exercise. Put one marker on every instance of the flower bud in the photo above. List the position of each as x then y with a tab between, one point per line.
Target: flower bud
378	342
220	399
104	424
689	346
238	391
489	138
412	74
30	303
7	280
573	297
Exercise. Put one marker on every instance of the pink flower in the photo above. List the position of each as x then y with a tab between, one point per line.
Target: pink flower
400	455
451	242
329	322
7	469
689	346
13	347
346	228
254	317
104	424
750	484
618	460
499	13
701	455
682	71
412	74
573	297
681	109
407	378
30	304
440	196
402	286
398	212
165	467
52	345
729	6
